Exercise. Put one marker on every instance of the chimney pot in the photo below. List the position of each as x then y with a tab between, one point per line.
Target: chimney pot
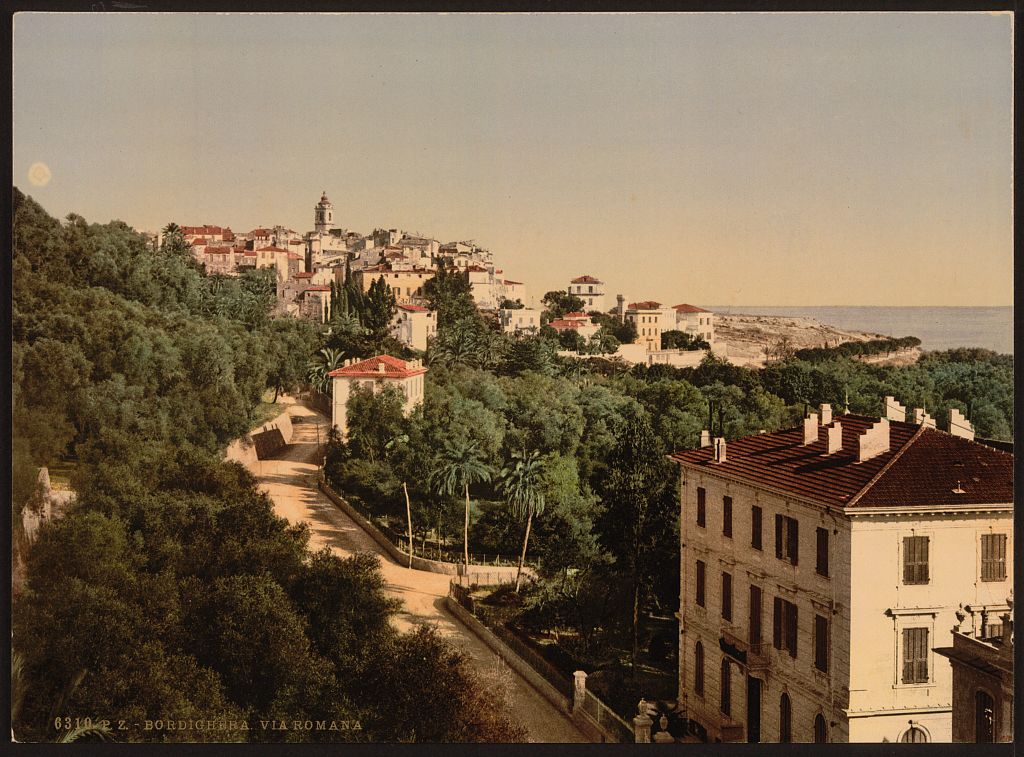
826	413
705	438
834	438
720	449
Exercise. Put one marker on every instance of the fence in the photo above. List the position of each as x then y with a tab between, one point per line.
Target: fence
606	719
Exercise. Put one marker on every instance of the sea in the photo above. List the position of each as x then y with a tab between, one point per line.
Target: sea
938	328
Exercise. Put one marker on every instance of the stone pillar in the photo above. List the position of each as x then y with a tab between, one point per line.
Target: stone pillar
579	690
642	729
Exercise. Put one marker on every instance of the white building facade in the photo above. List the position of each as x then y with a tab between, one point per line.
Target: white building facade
821	565
590	290
375	374
413	326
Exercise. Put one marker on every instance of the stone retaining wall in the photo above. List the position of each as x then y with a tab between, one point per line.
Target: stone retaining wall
507	573
261	443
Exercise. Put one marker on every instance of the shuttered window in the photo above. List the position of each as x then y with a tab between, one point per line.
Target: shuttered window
787	538
700	583
993	557
701	506
785	719
726	687
821	643
698	669
821	561
915	559
784	626
727	596
727	516
755	615
915	655
755	527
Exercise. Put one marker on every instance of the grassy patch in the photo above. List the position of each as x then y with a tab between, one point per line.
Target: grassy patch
264	412
61	472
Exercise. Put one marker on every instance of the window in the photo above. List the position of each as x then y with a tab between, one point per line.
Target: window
984	718
820	729
993	557
787	539
755	527
727	516
726	687
701	506
914	735
727	596
784	624
821	561
821	643
915	655
698	669
700	583
915	559
755	616
785	720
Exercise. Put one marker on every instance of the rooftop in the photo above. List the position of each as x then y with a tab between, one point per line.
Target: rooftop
645	305
684	308
586	279
381	365
414	308
923	466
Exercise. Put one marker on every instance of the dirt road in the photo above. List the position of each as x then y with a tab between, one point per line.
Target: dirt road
290	479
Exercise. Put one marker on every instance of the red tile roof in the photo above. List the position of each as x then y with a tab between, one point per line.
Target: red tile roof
260	232
560	325
575	314
414	308
922	467
198	242
392	368
304	275
317	288
271	249
586	279
645	305
476	269
517	283
684	308
218	250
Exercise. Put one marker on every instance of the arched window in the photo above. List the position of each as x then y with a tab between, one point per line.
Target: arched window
785	720
698	669
726	688
914	735
820	729
984	718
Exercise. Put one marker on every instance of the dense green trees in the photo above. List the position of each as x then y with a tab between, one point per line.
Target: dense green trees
171	589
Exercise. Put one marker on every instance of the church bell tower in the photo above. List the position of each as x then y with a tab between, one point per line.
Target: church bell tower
324	214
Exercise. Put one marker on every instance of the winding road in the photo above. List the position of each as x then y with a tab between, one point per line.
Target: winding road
290	480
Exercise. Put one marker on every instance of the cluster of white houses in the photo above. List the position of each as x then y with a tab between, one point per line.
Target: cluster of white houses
821	567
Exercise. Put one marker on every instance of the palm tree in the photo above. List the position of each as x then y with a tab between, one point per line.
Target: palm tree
523	487
320	367
458	466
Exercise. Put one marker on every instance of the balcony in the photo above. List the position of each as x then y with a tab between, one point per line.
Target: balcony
735	643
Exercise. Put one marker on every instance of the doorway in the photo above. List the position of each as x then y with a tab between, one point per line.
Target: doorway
753	710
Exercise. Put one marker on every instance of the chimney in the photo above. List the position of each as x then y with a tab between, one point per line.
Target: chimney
874	441
705	438
834	441
811	429
826	413
894	411
380	367
921	418
1007	629
960	426
720	449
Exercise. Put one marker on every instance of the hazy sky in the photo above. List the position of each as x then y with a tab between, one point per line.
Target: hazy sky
832	159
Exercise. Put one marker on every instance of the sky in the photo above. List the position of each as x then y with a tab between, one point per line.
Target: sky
776	159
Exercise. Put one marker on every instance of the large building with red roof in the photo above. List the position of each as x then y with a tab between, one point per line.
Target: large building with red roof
375	374
821	566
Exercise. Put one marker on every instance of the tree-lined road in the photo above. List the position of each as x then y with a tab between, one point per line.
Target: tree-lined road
290	480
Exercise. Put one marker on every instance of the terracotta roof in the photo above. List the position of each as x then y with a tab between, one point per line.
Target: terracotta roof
250	253
517	283
317	288
575	314
922	467
559	325
414	308
684	308
198	242
645	305
294	256
260	232
585	279
392	368
304	275
204	230
218	250
271	249
476	269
